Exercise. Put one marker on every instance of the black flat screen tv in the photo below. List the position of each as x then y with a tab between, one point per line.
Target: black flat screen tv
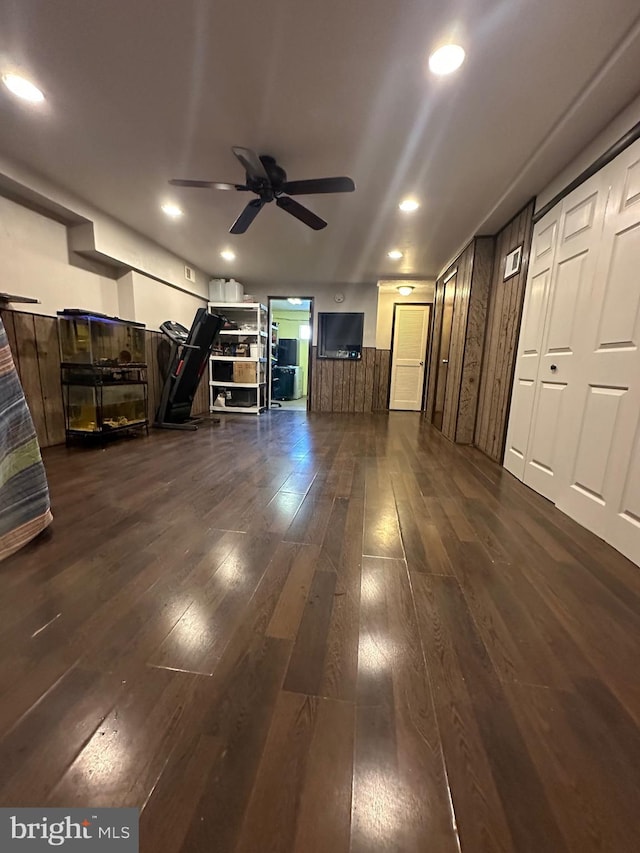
340	335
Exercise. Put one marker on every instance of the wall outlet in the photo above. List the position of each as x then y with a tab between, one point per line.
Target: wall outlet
189	274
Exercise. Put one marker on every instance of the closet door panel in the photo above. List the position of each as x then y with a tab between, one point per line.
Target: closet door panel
601	436
558	391
530	343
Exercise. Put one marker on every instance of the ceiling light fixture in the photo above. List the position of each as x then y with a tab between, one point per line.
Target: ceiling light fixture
228	255
394	254
405	290
408	205
22	88
171	210
446	59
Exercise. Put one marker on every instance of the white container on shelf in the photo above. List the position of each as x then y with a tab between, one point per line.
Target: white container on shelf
216	290
233	291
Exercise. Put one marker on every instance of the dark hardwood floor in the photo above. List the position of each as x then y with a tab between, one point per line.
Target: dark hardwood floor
321	634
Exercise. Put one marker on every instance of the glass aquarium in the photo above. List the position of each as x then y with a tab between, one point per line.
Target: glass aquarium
87	338
99	399
81	408
123	406
104	407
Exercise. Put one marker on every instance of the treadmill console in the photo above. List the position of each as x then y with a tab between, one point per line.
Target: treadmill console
174	331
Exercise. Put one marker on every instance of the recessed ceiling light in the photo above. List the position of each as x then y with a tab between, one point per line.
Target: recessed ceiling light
409	205
171	210
394	254
22	88
228	255
446	59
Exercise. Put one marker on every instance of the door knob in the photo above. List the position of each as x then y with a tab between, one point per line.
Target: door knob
553	367
445	361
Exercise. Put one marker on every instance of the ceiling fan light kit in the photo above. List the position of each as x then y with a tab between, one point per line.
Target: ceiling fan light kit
268	180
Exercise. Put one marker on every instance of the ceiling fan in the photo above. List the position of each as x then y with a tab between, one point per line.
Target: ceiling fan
268	181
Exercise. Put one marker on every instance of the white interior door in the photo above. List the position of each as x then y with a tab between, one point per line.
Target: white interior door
543	250
411	330
601	435
557	389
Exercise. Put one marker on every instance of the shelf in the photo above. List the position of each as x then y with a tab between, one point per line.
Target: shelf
108	429
236	358
232	384
99	384
252	333
251	338
249	410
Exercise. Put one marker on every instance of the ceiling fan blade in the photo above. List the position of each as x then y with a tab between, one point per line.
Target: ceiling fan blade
247	216
250	163
319	185
213	185
302	213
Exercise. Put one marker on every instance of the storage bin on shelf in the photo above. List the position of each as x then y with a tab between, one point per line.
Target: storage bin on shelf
244	371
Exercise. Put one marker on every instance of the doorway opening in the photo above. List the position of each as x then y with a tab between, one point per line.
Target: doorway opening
290	330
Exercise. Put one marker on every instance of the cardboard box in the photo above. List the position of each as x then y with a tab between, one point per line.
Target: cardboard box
244	371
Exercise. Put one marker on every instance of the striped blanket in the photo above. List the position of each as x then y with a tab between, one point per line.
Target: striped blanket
24	495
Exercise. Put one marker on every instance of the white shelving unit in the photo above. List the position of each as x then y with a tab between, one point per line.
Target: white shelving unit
238	369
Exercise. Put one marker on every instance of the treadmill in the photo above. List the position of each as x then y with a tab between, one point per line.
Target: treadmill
190	351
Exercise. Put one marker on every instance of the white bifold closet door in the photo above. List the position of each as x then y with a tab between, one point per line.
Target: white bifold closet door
574	428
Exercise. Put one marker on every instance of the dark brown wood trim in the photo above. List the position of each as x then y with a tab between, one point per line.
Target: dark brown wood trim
603	160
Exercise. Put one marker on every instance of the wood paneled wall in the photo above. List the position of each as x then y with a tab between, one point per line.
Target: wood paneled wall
381	380
474	266
33	339
350	386
503	325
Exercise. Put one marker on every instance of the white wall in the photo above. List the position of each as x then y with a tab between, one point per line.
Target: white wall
150	302
37	258
622	123
357	297
101	234
388	296
34	262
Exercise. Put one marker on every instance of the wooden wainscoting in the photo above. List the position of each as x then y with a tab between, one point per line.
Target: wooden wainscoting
33	339
381	380
503	326
350	386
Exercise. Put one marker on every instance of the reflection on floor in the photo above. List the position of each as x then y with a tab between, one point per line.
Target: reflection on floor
294	405
320	634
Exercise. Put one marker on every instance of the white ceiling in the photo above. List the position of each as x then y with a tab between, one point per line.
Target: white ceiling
139	91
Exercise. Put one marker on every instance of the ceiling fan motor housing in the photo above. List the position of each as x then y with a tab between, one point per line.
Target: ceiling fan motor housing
276	174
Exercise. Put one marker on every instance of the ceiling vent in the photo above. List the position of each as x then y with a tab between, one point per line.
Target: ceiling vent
189	273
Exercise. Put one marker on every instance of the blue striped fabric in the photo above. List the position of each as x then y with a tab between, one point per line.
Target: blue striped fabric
24	495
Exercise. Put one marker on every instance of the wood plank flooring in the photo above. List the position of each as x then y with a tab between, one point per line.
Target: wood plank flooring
321	634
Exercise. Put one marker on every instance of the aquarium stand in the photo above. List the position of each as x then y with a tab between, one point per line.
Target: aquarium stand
103	400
